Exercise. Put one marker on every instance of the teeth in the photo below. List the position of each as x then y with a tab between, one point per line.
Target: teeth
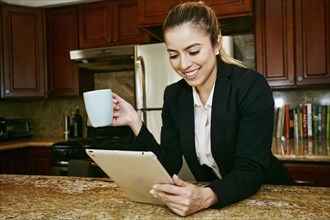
192	73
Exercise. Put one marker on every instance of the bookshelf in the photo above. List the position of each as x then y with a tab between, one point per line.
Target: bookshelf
306	121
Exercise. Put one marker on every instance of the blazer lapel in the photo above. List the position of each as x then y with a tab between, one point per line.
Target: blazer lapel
187	135
219	112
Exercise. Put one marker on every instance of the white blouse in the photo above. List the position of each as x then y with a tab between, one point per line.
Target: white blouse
203	132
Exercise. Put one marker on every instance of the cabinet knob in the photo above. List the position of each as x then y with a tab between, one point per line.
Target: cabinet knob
115	40
109	40
300	78
7	91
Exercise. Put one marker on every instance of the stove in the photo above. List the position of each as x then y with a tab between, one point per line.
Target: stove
72	153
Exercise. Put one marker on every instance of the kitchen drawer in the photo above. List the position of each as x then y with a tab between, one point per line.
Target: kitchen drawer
310	174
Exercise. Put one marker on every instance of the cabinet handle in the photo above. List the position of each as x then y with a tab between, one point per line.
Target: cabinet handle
7	91
300	78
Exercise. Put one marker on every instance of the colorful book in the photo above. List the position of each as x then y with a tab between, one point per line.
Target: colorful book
309	121
323	121
328	123
304	121
315	113
296	123
280	122
287	121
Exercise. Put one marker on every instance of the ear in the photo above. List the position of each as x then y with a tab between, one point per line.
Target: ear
217	46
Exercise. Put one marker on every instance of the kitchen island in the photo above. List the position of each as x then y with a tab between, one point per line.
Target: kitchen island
48	197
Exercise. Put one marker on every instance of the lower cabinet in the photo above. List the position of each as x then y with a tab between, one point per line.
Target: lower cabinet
38	161
310	173
13	161
30	161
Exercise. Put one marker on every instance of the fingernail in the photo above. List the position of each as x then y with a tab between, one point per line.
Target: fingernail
152	191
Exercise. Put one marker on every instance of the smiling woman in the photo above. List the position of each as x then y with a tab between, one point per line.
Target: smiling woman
45	3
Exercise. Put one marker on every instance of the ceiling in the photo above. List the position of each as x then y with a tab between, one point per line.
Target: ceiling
44	3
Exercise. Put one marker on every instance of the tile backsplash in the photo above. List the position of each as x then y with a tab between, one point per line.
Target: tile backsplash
47	116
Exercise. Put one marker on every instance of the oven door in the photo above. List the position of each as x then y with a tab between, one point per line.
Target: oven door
60	168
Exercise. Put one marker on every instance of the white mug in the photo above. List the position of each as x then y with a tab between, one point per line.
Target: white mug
99	107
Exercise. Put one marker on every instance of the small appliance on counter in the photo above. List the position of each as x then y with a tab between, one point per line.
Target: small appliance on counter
11	129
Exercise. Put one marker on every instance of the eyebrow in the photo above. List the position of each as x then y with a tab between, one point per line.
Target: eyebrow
186	48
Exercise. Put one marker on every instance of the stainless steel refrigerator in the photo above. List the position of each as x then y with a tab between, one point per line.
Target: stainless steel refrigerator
153	73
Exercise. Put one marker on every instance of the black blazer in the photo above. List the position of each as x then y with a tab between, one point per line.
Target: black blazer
241	134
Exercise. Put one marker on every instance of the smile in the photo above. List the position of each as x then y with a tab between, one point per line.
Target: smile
191	74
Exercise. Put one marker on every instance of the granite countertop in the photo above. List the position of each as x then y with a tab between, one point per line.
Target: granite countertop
45	197
28	142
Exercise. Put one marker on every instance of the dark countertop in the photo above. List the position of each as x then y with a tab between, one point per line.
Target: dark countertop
45	197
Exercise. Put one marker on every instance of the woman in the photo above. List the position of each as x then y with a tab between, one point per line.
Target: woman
219	117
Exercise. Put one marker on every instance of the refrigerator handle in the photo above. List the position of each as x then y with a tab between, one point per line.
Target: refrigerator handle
143	115
140	87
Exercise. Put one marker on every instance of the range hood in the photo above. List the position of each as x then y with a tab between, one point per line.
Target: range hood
105	59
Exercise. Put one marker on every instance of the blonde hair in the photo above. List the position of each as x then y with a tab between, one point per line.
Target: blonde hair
202	16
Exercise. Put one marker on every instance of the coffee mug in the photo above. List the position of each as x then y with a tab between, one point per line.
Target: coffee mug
99	107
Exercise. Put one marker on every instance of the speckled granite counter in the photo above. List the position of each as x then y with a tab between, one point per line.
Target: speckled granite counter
30	142
43	197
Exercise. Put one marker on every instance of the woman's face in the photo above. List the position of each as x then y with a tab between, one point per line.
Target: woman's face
192	56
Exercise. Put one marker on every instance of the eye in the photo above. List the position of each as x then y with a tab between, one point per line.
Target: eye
173	56
194	53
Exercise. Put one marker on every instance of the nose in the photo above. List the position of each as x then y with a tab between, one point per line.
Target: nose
185	62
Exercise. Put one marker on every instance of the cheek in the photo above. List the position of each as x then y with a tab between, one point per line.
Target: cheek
174	63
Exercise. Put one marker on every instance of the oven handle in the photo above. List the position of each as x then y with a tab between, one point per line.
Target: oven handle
62	163
66	163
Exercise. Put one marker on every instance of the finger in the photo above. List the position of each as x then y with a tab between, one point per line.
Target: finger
116	97
177	181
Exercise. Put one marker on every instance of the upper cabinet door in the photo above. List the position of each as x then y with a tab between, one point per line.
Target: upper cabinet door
230	8
274	36
95	24
293	42
23	52
108	23
312	40
62	36
153	12
125	26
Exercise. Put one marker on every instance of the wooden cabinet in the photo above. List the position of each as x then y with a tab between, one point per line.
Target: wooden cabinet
13	161
312	42
39	161
62	36
31	161
107	23
292	42
153	12
23	73
310	174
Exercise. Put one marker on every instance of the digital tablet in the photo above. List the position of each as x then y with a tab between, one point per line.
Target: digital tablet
135	172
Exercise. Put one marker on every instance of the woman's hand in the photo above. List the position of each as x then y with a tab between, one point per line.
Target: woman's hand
124	114
184	198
